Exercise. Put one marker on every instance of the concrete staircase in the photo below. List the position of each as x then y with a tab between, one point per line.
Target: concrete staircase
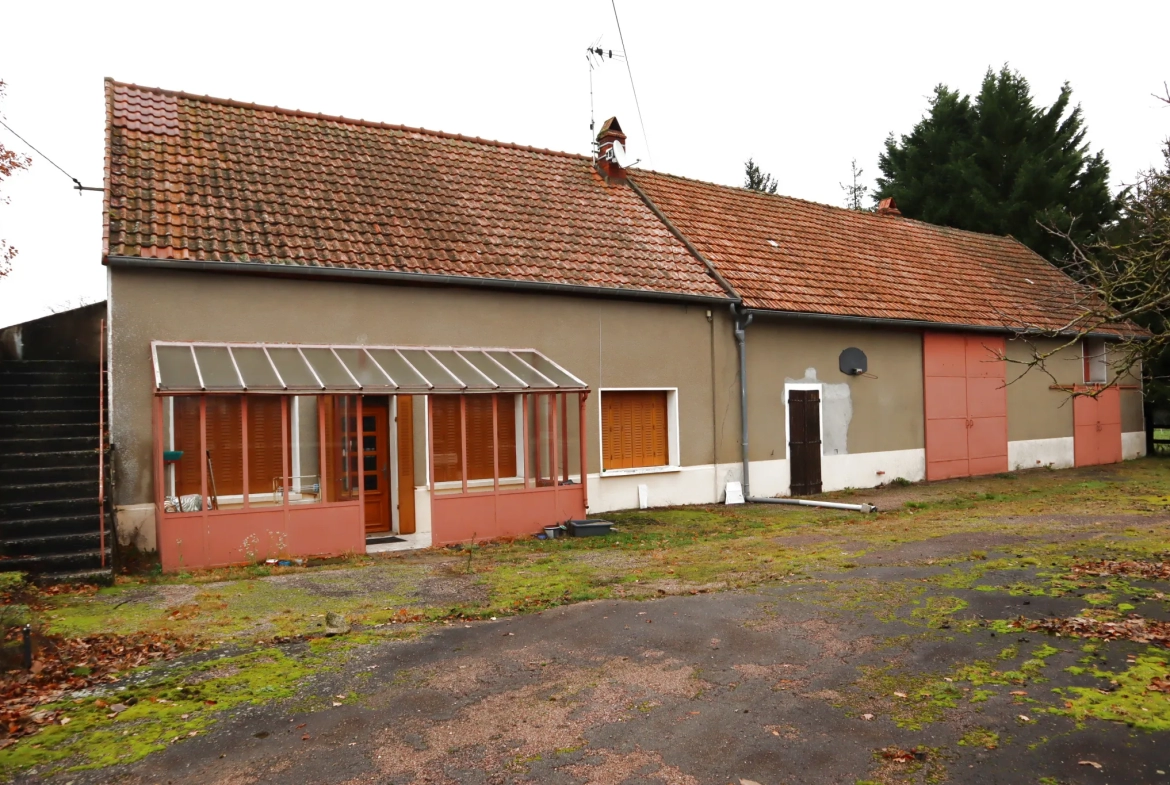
49	514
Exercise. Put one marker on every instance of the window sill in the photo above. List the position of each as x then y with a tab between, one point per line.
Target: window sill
640	470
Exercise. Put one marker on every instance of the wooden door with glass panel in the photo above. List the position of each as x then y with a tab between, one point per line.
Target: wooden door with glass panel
375	463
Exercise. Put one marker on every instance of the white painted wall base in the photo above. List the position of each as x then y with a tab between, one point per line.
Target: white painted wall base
1133	445
871	469
707	484
1035	453
134	525
422	514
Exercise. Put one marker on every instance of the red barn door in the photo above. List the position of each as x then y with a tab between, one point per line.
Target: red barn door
1097	428
966	405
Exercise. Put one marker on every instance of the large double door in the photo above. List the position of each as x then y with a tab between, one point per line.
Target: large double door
1097	428
387	428
966	405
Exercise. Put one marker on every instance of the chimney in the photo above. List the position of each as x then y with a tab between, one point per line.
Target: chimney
887	207
606	159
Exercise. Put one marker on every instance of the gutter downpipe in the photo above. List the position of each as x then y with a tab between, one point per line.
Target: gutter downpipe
742	318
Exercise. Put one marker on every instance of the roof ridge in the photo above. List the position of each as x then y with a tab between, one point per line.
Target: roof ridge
868	215
210	99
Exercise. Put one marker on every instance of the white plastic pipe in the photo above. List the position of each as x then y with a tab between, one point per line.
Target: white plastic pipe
865	507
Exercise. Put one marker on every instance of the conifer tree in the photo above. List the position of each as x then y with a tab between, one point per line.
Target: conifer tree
1002	165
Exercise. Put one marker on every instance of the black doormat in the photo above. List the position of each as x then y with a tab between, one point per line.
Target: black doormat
382	539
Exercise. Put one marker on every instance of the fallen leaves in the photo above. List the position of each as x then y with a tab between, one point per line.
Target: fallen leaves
1160	684
64	665
1135	628
899	755
1092	763
1153	571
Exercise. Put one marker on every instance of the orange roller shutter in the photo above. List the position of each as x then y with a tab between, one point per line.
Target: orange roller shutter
633	429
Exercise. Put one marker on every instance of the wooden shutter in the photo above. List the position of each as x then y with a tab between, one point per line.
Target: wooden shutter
633	429
264	443
225	443
445	438
480	461
185	421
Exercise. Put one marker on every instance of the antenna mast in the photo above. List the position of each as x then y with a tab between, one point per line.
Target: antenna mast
595	56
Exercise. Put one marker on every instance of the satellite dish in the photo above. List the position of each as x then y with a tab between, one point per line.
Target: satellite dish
621	156
853	362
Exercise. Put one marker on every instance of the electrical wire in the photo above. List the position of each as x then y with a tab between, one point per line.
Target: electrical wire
76	182
641	122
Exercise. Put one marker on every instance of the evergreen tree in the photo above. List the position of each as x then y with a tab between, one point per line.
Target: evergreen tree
756	180
1002	165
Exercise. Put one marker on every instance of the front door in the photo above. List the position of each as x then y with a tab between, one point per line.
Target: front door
804	441
375	463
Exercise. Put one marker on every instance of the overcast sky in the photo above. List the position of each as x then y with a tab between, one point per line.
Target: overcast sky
801	87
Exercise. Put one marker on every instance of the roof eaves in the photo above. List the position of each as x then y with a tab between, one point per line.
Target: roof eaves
386	276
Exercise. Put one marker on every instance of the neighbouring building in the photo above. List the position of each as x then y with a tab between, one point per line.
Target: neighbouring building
328	335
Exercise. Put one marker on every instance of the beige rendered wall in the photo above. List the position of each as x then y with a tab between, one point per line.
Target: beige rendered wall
886	412
1035	410
606	342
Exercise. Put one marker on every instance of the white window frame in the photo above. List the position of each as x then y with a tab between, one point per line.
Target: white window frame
820	387
673	450
1098	361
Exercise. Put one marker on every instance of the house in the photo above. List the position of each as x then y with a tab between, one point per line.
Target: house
330	335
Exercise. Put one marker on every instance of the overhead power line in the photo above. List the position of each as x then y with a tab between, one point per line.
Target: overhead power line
76	183
629	70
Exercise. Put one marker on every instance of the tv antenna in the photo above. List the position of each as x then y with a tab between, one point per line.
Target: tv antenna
596	55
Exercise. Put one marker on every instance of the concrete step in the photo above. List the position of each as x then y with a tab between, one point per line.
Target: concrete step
49	508
51	416
86	522
46	430
53	401
39	459
39	475
49	543
31	442
56	562
104	577
51	491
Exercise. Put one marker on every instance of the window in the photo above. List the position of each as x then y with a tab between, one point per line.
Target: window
445	414
634	429
1093	353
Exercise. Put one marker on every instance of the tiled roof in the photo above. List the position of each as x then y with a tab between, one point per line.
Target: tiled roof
786	254
204	179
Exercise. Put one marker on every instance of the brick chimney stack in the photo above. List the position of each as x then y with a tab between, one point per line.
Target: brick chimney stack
887	207
607	161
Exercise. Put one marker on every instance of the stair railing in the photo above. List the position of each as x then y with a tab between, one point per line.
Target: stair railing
102	441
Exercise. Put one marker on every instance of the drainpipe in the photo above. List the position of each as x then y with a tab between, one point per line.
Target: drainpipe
741	321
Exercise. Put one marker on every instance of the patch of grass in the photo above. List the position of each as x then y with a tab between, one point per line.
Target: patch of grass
166	704
1128	698
980	737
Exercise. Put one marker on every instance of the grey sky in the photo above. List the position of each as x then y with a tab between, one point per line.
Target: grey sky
802	87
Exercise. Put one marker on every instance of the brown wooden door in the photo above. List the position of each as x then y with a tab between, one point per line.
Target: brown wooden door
375	464
404	419
804	441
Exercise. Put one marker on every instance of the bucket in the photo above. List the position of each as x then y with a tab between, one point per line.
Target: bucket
552	532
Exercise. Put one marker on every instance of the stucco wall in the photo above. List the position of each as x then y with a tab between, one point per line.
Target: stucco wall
606	342
883	413
1035	411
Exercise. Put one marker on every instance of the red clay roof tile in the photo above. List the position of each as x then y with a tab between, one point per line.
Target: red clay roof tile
212	180
790	255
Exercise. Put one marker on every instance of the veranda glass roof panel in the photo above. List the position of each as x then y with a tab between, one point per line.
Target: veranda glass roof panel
175	368
294	370
547	368
528	374
364	369
433	371
330	370
400	370
474	378
217	368
254	366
